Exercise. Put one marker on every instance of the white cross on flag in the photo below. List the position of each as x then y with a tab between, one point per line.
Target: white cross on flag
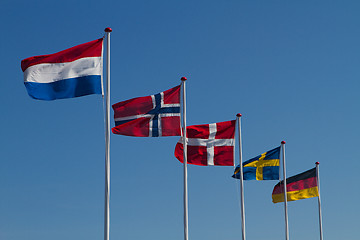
209	144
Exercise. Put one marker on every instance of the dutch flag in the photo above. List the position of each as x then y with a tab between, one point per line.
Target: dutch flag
73	72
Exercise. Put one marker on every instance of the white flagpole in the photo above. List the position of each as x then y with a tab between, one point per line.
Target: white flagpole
238	118
186	220
319	202
107	140
285	191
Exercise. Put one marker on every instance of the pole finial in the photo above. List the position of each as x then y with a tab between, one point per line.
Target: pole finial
238	115
283	142
183	79
108	29
317	163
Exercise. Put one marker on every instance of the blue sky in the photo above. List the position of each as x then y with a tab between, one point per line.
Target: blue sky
290	67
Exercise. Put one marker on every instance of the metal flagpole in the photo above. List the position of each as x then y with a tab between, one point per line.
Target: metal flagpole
107	140
319	202
285	191
238	118
186	220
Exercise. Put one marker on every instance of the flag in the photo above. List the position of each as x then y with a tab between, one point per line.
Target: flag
301	186
262	167
73	72
151	116
209	144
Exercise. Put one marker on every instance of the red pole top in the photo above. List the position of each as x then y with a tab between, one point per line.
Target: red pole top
108	29
183	79
283	142
317	163
238	115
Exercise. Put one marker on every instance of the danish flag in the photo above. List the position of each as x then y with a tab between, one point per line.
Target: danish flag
151	116
209	144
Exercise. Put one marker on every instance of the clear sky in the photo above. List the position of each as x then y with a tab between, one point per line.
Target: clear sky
290	67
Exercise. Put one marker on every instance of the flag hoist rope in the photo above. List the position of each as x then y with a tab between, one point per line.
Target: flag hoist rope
186	220
107	139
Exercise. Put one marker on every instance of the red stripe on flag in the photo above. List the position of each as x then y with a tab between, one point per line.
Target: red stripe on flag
172	95
224	156
198	131
296	186
89	49
222	130
170	126
131	107
197	155
138	127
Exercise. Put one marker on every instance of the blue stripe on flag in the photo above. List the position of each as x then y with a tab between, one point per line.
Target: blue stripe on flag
249	173
156	111
117	123
271	173
67	88
165	110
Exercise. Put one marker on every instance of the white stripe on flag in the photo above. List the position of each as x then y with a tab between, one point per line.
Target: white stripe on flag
206	142
52	72
153	101
133	117
210	148
150	127
171	105
159	118
159	126
162	99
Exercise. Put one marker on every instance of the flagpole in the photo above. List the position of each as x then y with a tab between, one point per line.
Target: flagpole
186	220
319	202
285	191
238	118
107	139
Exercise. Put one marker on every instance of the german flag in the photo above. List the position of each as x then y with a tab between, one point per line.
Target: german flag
301	186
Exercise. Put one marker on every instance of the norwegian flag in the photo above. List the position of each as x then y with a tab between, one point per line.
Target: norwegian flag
209	144
151	116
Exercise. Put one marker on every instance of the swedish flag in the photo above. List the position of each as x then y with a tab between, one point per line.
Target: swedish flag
263	167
